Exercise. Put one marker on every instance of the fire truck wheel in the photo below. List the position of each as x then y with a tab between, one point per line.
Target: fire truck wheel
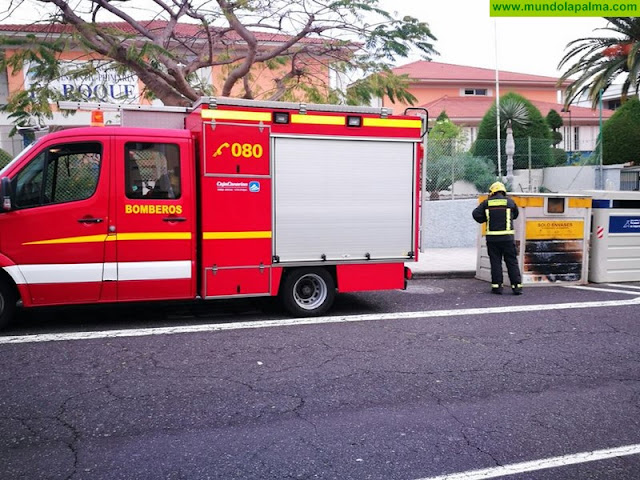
308	291
8	300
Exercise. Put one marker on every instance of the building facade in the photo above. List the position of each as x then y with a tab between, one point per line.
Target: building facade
107	86
466	94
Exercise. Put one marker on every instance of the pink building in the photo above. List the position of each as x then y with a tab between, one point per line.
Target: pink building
467	93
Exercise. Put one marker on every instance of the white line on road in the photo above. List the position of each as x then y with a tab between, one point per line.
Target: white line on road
623	285
553	462
598	289
511	309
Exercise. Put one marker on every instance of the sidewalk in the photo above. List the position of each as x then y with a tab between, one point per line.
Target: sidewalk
445	263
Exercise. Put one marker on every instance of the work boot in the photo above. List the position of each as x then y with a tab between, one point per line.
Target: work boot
497	289
517	290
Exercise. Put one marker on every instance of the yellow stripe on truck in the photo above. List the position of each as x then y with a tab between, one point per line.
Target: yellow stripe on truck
390	122
83	239
318	119
153	236
117	237
235	235
236	115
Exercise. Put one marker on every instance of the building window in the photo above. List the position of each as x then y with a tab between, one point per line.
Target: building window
613	104
4	87
477	92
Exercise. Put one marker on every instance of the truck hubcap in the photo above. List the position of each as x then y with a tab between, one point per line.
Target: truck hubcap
310	292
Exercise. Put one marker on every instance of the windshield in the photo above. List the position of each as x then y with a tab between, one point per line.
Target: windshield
20	155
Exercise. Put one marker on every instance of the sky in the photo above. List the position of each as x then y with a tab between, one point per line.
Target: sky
466	35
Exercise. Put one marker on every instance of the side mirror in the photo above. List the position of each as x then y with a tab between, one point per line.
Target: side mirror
7	194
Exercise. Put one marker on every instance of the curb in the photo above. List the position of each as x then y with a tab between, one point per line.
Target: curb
446	274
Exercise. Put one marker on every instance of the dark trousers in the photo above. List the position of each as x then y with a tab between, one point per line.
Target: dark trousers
507	250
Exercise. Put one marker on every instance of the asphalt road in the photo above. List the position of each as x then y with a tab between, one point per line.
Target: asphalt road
186	391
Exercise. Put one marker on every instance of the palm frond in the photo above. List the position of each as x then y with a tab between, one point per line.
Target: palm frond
513	111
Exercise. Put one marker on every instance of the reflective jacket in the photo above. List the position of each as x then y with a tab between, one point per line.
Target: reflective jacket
499	212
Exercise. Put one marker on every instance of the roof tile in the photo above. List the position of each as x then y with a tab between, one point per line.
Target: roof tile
472	109
423	70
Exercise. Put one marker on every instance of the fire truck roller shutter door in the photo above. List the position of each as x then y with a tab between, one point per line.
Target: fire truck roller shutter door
308	292
355	196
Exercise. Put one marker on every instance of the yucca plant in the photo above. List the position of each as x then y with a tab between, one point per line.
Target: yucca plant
513	111
526	121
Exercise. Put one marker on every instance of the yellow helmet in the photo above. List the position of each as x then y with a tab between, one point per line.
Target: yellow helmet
497	187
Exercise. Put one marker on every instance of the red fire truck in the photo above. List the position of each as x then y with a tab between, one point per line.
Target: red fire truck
230	198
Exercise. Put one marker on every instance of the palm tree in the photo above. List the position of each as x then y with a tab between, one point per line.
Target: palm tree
598	61
526	122
513	111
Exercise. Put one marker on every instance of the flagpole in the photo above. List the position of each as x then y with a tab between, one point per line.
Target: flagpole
495	36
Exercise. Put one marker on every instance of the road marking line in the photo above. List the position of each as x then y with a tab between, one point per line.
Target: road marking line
622	285
597	289
532	466
54	337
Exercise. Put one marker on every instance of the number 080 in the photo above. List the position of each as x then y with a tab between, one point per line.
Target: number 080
246	150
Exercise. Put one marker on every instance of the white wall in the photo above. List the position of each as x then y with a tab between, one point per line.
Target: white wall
528	180
449	224
569	179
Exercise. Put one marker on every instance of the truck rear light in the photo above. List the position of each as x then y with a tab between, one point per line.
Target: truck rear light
280	117
408	274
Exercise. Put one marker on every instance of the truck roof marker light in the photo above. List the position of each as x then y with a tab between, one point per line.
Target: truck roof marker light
97	118
354	121
280	117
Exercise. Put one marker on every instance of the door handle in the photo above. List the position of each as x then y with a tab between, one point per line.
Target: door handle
90	220
174	219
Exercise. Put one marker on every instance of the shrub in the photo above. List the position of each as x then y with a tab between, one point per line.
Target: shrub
621	134
4	158
559	156
479	171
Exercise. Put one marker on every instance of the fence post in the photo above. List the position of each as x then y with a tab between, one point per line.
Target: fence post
529	190
453	174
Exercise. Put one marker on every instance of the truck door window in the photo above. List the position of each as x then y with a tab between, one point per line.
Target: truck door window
152	170
61	173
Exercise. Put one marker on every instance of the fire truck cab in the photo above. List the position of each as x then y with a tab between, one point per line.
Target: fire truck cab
229	198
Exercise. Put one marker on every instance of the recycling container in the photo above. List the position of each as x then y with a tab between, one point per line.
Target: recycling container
552	239
615	237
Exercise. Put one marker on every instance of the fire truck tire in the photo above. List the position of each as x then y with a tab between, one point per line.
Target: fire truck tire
307	292
8	298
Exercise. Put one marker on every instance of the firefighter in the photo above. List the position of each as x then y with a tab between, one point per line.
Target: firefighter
499	212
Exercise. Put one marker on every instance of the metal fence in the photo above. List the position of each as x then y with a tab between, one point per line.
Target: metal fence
11	147
630	180
455	169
